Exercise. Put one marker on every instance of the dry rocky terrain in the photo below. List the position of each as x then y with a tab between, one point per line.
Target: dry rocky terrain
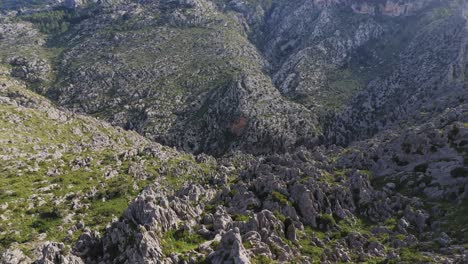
233	131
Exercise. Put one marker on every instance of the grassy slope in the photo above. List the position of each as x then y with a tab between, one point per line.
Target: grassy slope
34	141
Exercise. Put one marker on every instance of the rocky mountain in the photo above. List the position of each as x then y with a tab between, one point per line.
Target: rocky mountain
234	131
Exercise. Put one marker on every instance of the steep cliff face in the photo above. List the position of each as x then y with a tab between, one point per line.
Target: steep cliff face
430	76
371	63
175	71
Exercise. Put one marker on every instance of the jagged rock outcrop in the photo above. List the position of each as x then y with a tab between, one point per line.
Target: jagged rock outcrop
53	253
31	71
230	250
71	4
432	153
14	256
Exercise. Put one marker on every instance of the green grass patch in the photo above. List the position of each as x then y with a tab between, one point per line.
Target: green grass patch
180	241
262	259
281	198
306	246
411	255
241	218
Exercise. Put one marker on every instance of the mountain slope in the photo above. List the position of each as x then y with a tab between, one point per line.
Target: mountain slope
337	131
62	172
348	64
177	71
364	65
303	206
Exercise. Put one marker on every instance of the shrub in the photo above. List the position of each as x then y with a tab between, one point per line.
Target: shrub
241	217
327	219
49	22
180	241
390	223
413	256
279	197
214	245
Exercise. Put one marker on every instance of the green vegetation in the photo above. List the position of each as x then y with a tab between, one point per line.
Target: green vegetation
326	219
214	245
455	220
25	182
391	223
180	241
262	259
342	85
281	198
353	225
335	95
306	246
241	217
56	169
50	22
280	216
183	169
48	184
412	255
55	21
308	249
247	244
331	178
